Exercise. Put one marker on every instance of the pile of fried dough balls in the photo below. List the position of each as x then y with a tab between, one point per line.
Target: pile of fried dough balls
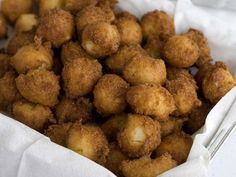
110	87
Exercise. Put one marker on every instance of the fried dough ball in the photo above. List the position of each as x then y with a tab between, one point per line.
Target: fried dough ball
178	145
80	76
68	110
180	51
4	64
3	27
204	50
45	5
58	133
110	94
19	40
114	159
197	118
88	141
139	136
100	39
130	31
185	95
77	5
117	62
217	83
32	57
39	86
56	26
153	47
147	167
151	100
26	22
111	3
145	70
33	115
12	9
203	69
157	23
71	51
113	125
172	125
126	15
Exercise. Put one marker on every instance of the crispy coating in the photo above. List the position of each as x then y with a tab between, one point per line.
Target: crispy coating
68	110
185	95
56	26
110	94
19	40
114	159
145	70
45	5
3	27
39	86
178	145
80	76
76	5
117	62
33	115
111	3
151	100
139	136
204	50
180	51
203	69
113	125
154	47
89	141
147	167
4	64
157	23
30	57
126	15
58	133
26	22
12	10
130	31
172	125
100	39
71	51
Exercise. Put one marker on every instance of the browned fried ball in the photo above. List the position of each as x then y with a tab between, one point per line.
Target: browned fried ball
172	125
88	141
203	69
151	100
126	15
39	86
110	94
33	115
4	64
80	76
154	47
178	145
56	26
26	22
68	110
147	167
45	5
100	39
145	70
3	27
77	5
180	51
139	136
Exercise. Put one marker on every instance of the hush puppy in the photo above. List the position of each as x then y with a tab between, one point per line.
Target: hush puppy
76	5
3	27
4	64
172	125
45	5
154	47
26	22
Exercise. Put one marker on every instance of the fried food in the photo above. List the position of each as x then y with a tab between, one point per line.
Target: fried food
26	22
145	70
58	133
153	47
178	145
12	9
3	27
185	95
130	31
203	69
4	64
157	23
80	76
113	125
33	115
88	141
45	5
39	86
126	15
151	100
76	5
68	110
117	62
100	39
172	125
110	94
56	26
204	50
180	51
30	57
111	3
139	136
147	167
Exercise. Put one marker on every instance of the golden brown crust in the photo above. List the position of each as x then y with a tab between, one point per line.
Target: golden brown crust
4	64
3	27
154	47
26	22
110	94
172	125
45	5
126	15
76	5
80	76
